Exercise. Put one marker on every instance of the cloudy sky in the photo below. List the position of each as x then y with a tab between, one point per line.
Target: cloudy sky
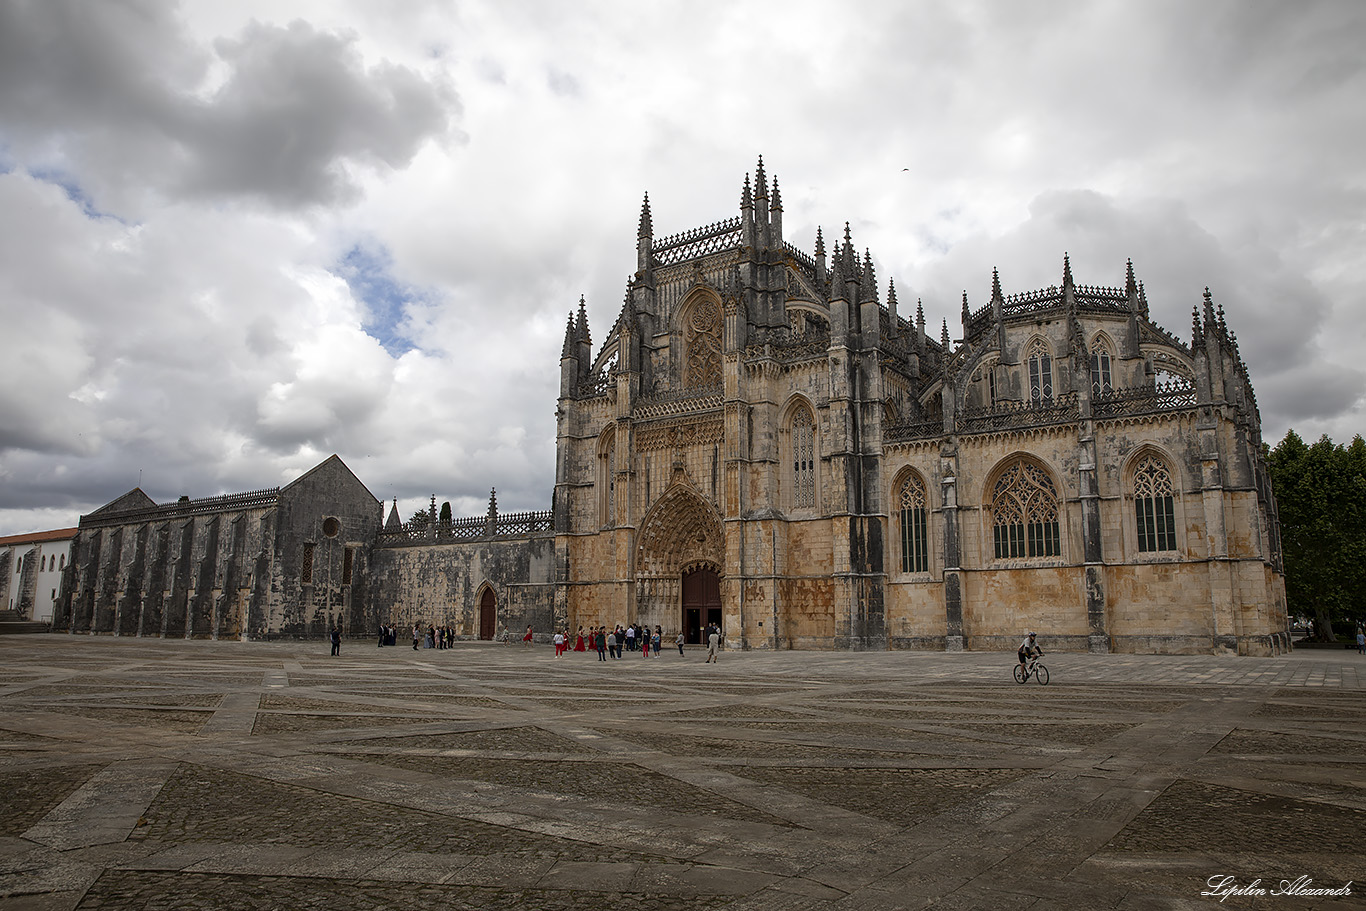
238	237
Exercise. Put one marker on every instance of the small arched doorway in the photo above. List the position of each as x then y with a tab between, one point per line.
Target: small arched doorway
701	601
488	614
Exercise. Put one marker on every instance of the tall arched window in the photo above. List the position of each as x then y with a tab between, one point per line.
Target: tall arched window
1040	373
915	550
803	459
1154	506
1100	370
1024	511
607	480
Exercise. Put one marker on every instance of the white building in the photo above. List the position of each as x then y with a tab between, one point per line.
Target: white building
31	567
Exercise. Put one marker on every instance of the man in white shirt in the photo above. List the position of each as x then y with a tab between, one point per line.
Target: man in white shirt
1029	648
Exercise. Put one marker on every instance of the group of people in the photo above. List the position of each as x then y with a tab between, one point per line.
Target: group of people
614	641
431	637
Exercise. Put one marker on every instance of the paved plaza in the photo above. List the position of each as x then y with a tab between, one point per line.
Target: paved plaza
149	774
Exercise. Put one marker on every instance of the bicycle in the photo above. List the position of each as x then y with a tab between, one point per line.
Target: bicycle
1033	669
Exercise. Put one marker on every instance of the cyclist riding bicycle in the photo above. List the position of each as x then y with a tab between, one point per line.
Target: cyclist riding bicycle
1029	649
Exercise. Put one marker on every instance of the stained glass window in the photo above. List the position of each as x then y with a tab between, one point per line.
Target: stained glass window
1024	510
1154	506
1100	370
915	551
803	460
1040	373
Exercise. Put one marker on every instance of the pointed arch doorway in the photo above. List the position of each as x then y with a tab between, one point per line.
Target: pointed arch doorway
701	601
488	614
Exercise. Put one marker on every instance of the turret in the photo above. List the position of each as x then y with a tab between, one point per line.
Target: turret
748	233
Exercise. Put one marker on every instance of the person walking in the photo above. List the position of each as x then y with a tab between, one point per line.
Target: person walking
578	643
612	644
1361	642
645	643
559	643
526	640
417	636
679	642
601	642
336	641
713	643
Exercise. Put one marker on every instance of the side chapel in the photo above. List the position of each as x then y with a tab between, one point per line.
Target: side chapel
763	441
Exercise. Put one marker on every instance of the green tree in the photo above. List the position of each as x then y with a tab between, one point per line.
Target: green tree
444	522
1321	499
420	520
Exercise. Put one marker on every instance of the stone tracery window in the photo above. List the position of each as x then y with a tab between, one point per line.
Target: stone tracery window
702	341
1101	383
1040	373
915	551
1154	506
803	441
1024	510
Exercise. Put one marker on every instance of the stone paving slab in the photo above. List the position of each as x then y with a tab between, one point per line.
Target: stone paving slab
144	774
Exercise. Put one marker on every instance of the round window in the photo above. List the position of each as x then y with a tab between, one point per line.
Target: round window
331	527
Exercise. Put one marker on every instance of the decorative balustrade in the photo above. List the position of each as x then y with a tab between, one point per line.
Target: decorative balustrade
697	242
1171	395
597	384
477	528
1010	415
233	502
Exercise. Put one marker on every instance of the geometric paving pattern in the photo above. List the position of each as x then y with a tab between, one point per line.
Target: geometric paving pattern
150	774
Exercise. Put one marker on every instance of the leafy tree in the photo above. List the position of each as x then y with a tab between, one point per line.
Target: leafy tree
1321	498
420	519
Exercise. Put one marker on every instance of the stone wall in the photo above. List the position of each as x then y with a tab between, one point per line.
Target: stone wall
442	584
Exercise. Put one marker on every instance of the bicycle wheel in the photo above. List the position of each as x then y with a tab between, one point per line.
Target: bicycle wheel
1041	674
1020	674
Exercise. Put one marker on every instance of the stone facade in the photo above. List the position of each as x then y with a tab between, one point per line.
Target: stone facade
288	561
764	442
759	424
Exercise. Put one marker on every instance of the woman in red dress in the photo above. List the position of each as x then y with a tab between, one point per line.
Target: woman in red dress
578	643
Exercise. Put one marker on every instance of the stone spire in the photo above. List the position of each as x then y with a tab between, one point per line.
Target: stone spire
820	259
996	295
748	234
892	317
944	336
775	218
394	523
868	279
644	238
569	337
967	314
1130	284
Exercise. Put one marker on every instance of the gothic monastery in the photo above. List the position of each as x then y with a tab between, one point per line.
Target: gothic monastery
763	441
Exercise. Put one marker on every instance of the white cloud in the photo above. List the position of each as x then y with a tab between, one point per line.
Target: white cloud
235	238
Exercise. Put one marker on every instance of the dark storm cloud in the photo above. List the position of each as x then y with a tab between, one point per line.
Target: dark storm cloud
117	91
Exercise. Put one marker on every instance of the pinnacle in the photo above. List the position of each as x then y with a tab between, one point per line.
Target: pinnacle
646	223
820	242
995	285
777	200
1066	270
746	200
